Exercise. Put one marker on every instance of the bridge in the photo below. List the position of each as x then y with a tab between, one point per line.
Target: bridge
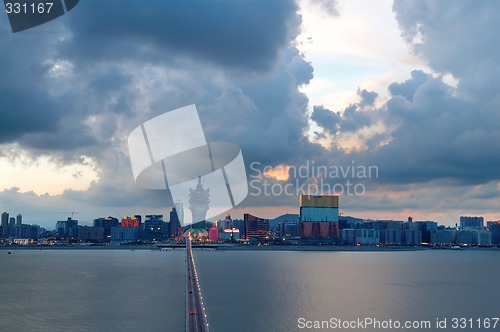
196	318
182	245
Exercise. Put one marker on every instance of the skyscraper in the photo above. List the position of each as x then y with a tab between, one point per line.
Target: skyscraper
5	224
155	228
174	223
255	227
19	219
179	207
198	202
471	222
5	219
319	216
107	224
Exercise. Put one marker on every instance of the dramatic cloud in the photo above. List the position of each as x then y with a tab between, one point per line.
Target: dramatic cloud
247	34
353	118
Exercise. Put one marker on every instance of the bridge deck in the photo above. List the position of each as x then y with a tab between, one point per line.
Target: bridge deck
196	318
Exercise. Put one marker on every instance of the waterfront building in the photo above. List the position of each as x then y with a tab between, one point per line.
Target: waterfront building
106	223
484	238
425	227
5	219
468	237
319	230
368	236
255	227
5	225
213	233
155	228
67	229
319	216
495	232
174	225
323	208
412	237
348	236
290	229
445	236
239	224
91	233
471	222
231	235
391	236
227	223
133	221
124	234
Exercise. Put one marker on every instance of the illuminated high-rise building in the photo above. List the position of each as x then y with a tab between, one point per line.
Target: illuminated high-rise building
319	216
255	227
106	223
319	208
174	225
213	233
199	198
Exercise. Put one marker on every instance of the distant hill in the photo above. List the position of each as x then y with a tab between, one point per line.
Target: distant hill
351	220
273	223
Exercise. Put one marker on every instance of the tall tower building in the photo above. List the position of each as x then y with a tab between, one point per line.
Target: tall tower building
198	202
19	219
5	219
174	224
255	227
5	224
179	207
319	216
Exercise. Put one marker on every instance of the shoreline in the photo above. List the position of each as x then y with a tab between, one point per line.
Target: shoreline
318	248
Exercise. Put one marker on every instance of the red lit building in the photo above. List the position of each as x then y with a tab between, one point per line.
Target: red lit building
255	227
134	221
213	233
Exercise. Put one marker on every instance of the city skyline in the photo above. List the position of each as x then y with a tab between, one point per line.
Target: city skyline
390	85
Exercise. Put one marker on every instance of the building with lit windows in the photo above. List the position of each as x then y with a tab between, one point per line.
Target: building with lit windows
255	227
319	216
471	222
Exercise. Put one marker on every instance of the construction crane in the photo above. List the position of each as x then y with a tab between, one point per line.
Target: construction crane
72	213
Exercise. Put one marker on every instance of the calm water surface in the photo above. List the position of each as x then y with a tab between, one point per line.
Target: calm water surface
123	290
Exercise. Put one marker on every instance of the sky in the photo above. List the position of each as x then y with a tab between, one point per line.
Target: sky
407	88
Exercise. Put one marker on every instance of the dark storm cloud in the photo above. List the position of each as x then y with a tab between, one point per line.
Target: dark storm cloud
353	118
367	97
408	88
109	66
325	118
436	132
455	36
24	110
245	34
458	38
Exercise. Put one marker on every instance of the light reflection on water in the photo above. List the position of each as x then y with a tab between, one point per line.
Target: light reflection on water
123	290
263	291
